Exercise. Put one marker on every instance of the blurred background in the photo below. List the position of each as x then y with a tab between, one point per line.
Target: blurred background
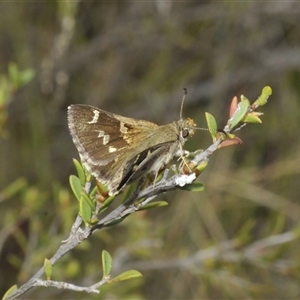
236	240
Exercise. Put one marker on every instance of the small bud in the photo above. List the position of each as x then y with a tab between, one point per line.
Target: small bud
230	142
102	192
233	106
188	167
252	118
239	113
263	98
201	167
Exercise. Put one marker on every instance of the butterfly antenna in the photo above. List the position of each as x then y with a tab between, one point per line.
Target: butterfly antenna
181	108
183	98
202	128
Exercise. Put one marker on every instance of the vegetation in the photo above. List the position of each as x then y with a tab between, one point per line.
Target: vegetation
238	238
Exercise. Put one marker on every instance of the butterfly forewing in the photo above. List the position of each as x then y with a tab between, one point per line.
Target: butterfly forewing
98	134
91	132
105	141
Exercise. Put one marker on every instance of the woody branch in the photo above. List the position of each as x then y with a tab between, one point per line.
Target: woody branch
79	234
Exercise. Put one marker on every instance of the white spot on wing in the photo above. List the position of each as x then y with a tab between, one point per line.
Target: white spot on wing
105	139
112	149
101	134
95	117
123	129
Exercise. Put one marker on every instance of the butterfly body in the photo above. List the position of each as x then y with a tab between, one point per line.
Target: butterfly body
118	150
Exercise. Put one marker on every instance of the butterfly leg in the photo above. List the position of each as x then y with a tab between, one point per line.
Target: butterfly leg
182	155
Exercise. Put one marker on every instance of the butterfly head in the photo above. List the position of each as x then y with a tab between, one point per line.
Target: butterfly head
187	128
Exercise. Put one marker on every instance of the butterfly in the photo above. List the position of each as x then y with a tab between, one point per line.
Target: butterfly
118	150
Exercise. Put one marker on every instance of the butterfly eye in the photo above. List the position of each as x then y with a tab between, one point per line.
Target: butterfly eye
184	133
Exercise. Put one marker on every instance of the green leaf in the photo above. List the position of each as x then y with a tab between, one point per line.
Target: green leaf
263	98
102	188
75	186
239	114
85	210
107	202
88	200
14	188
26	76
193	187
4	91
10	291
252	118
80	171
212	125
128	191
93	192
127	275
245	99
106	263
154	204
48	268
88	176
19	78
14	74
201	167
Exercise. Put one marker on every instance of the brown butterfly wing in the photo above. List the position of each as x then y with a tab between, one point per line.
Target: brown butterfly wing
107	142
97	134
